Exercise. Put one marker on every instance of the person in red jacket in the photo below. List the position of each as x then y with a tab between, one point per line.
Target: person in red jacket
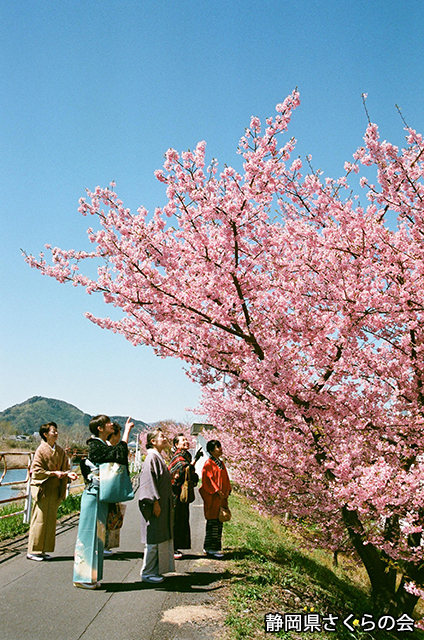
215	490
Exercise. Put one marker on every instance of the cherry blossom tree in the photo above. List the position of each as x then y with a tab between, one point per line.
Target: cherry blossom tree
299	308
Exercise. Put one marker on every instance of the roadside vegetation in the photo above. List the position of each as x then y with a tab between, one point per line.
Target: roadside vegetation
272	570
13	526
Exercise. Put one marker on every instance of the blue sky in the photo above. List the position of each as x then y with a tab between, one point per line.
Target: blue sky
96	91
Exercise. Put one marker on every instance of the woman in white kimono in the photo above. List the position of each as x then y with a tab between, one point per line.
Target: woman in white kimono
155	502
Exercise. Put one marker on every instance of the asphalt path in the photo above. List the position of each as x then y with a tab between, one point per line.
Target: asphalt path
38	600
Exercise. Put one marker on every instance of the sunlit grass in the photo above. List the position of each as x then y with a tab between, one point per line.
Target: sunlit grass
14	526
272	571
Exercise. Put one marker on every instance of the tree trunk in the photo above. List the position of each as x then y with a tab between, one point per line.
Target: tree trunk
386	598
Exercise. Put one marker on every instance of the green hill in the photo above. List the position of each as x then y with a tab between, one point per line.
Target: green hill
27	417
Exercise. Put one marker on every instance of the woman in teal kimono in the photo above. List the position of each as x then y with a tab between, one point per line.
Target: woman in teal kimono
88	565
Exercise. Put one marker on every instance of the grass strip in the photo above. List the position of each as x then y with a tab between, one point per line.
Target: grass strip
272	570
14	526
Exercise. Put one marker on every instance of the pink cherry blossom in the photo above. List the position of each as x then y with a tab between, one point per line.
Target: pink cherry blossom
304	326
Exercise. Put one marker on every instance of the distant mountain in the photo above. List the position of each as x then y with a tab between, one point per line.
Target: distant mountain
28	416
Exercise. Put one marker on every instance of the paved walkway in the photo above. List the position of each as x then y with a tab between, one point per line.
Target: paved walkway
38	601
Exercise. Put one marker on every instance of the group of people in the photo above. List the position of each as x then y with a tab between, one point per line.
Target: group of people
165	493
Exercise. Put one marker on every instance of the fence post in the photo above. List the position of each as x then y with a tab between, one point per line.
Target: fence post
28	499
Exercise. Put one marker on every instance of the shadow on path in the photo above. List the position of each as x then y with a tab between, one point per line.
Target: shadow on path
190	583
125	555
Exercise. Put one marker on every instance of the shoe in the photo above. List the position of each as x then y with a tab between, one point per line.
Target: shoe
152	579
215	554
87	585
38	557
46	556
178	555
107	552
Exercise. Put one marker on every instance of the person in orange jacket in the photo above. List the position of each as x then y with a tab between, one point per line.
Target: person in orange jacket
215	490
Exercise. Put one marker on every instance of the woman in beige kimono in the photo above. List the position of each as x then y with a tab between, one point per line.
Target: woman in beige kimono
49	477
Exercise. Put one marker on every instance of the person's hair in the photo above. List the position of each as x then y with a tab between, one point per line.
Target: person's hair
176	438
210	446
116	430
45	428
97	422
151	436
